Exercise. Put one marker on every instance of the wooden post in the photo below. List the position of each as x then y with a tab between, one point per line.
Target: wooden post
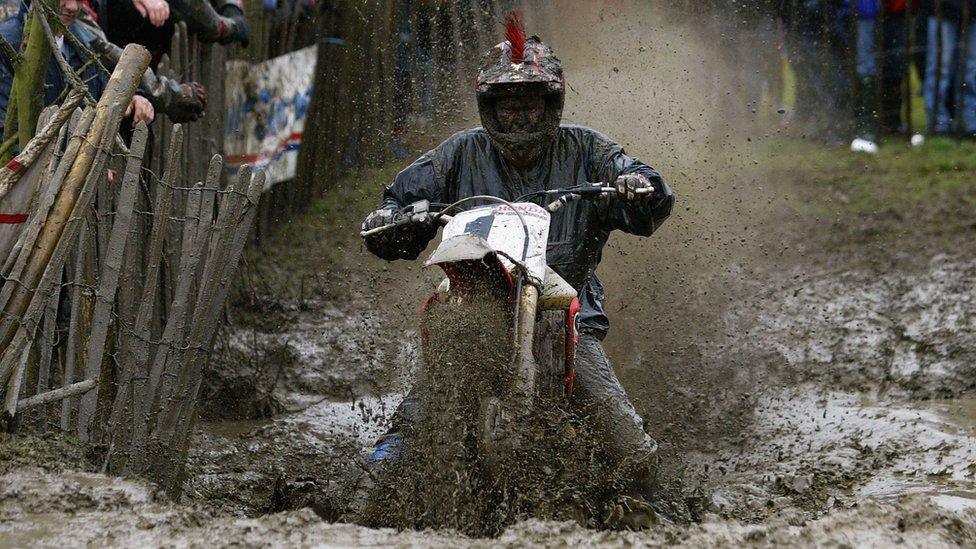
120	89
109	280
145	399
27	89
24	326
74	353
175	425
136	352
33	149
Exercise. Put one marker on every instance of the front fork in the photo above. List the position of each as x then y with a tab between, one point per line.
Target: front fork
499	419
526	369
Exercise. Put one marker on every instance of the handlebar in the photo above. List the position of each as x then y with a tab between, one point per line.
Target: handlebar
419	212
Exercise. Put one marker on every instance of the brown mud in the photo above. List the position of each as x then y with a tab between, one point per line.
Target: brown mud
803	392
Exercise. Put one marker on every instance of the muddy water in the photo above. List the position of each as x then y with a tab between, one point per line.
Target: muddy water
819	459
796	405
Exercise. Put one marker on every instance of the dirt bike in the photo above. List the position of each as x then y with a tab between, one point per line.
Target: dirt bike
497	252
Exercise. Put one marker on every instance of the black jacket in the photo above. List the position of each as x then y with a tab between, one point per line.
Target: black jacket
468	164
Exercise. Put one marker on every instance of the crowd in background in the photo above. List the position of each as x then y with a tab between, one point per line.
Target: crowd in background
90	36
858	64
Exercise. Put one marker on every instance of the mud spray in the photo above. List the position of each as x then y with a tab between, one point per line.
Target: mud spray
789	387
556	468
668	88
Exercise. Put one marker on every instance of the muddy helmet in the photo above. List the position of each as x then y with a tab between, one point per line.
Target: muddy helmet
517	65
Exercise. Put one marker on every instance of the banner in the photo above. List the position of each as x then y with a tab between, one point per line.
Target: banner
266	108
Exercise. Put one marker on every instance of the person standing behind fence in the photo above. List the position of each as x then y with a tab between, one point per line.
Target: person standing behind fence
55	82
946	53
181	102
135	21
881	61
817	44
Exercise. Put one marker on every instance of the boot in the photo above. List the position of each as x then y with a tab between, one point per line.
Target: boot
889	115
865	116
639	508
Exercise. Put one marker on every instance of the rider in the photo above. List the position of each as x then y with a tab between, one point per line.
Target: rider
523	148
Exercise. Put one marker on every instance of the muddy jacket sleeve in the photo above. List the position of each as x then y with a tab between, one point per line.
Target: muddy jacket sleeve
642	218
417	182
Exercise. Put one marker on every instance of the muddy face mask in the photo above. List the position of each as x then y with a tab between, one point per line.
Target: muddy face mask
520	94
521	123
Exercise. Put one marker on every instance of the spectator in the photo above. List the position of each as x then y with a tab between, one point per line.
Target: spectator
401	84
817	45
942	63
758	59
180	102
424	65
12	30
881	61
124	22
414	64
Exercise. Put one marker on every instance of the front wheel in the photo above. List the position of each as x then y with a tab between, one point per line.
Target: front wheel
498	434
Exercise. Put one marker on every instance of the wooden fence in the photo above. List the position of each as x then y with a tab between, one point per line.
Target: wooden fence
113	294
111	299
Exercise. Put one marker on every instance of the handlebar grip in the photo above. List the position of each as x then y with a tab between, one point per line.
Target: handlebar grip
442	218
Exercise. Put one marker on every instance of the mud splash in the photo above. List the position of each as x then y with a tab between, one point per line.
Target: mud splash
544	462
41	509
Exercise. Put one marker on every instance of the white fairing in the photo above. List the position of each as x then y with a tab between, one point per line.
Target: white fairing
474	233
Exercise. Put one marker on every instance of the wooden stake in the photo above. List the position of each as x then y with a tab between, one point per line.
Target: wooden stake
121	86
111	267
57	394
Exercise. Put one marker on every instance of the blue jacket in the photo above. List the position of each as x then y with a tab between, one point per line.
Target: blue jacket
871	9
868	9
12	30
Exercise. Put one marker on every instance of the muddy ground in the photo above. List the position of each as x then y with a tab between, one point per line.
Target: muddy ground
805	341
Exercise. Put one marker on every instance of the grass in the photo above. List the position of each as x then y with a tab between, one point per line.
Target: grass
331	223
933	185
299	258
48	451
902	191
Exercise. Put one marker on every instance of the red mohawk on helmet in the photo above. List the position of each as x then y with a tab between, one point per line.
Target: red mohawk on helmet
518	66
515	34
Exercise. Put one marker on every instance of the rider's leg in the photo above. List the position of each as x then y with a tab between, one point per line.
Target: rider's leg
390	444
598	392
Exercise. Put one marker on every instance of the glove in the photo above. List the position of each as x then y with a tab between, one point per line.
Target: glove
378	218
408	239
633	186
234	26
188	103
